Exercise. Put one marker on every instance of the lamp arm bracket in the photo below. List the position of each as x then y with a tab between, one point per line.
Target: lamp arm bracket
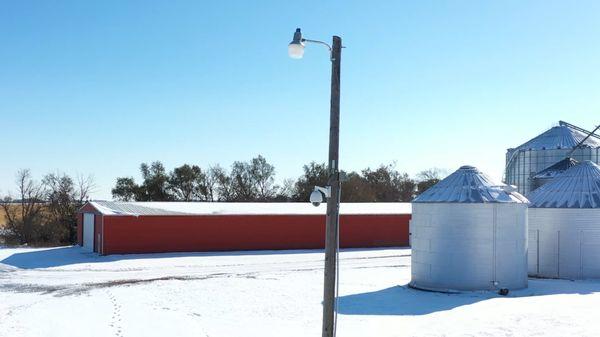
322	43
318	42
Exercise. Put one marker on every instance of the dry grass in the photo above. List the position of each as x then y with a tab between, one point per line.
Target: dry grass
16	208
3	217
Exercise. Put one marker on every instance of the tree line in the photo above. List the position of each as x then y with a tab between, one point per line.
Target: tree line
45	211
254	181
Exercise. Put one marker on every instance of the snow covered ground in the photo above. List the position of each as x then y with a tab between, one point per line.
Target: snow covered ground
67	292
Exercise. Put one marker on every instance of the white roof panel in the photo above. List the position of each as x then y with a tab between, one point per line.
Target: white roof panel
577	187
243	208
469	185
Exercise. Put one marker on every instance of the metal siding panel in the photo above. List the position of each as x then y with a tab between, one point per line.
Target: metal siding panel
590	254
577	254
570	254
532	257
458	243
151	234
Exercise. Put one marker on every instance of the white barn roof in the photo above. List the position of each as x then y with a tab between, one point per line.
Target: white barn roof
559	137
577	187
243	208
469	185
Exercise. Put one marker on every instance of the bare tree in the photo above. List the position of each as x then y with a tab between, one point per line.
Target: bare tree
64	197
263	178
285	192
25	213
222	180
432	173
242	182
212	183
429	177
11	214
85	186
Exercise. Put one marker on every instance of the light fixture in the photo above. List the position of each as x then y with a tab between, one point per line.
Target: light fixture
296	47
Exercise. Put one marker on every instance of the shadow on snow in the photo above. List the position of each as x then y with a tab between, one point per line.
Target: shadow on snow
403	300
63	256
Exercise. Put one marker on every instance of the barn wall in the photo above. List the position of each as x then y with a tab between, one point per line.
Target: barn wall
146	234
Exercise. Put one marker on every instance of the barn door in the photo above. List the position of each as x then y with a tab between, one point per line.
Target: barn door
88	232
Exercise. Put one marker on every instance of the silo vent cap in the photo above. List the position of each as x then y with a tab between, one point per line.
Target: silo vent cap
467	167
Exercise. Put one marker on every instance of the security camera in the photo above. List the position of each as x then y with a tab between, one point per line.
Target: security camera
316	198
319	194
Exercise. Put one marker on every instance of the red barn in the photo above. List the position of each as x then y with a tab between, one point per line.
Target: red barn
109	227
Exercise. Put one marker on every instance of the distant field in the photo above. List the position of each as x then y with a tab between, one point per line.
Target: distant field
2	224
14	207
2	218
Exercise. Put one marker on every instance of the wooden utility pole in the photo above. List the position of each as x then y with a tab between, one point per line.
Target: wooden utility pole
333	203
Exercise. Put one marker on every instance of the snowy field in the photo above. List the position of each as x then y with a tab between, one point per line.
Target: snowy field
66	292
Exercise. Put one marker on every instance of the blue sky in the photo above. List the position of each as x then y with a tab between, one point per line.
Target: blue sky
97	87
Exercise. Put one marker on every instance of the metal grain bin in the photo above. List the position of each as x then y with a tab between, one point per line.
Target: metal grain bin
564	225
524	162
469	233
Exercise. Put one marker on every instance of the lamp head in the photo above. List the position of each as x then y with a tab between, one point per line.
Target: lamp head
296	47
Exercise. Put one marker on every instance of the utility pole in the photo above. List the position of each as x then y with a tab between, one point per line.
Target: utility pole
332	191
333	203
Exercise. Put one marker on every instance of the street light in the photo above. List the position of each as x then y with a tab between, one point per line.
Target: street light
296	47
296	50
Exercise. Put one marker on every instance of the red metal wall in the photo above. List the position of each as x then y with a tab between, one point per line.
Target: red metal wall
152	234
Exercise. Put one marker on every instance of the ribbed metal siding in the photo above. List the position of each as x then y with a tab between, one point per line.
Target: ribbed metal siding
568	242
527	163
469	246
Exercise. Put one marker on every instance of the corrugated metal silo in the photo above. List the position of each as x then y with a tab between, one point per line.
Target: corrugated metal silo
469	233
564	225
545	150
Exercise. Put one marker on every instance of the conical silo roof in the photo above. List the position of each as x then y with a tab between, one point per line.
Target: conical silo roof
556	169
577	187
559	137
469	185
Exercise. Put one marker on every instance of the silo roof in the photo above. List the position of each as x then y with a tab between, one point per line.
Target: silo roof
556	169
469	185
577	187
560	137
